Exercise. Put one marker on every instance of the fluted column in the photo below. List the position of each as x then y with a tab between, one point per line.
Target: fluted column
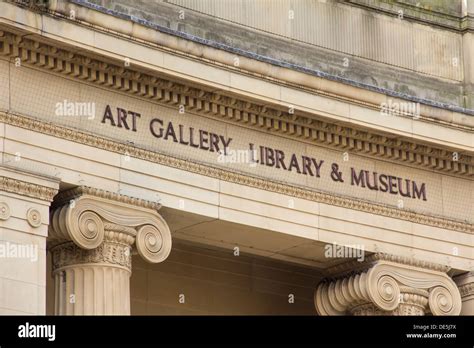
388	285
92	236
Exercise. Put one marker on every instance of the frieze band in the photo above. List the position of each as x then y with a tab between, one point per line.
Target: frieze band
107	144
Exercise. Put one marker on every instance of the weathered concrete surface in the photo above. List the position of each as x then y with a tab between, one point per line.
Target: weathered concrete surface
357	69
441	12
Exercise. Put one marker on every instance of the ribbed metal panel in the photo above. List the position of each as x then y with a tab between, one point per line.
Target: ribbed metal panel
345	29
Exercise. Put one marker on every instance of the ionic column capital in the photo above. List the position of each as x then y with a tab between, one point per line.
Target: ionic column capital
88	217
90	237
465	283
389	288
115	250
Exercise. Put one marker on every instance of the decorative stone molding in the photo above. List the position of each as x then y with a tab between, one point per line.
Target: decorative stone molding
291	190
33	216
467	290
389	288
354	265
27	189
67	196
38	5
213	104
465	284
412	302
184	44
109	252
4	211
466	281
90	238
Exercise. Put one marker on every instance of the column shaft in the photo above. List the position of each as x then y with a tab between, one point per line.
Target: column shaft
92	289
93	281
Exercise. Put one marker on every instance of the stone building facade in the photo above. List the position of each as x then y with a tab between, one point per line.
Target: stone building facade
237	157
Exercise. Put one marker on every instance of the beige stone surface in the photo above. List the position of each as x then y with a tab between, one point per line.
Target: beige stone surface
214	281
465	283
440	197
383	234
278	217
217	282
23	241
468	47
280	226
4	92
90	239
387	285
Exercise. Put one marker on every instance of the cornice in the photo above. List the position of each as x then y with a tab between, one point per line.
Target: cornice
238	178
252	63
354	266
27	189
296	125
79	191
163	38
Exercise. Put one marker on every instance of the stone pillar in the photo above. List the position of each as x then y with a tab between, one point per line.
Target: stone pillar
468	53
388	285
93	234
24	209
465	284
